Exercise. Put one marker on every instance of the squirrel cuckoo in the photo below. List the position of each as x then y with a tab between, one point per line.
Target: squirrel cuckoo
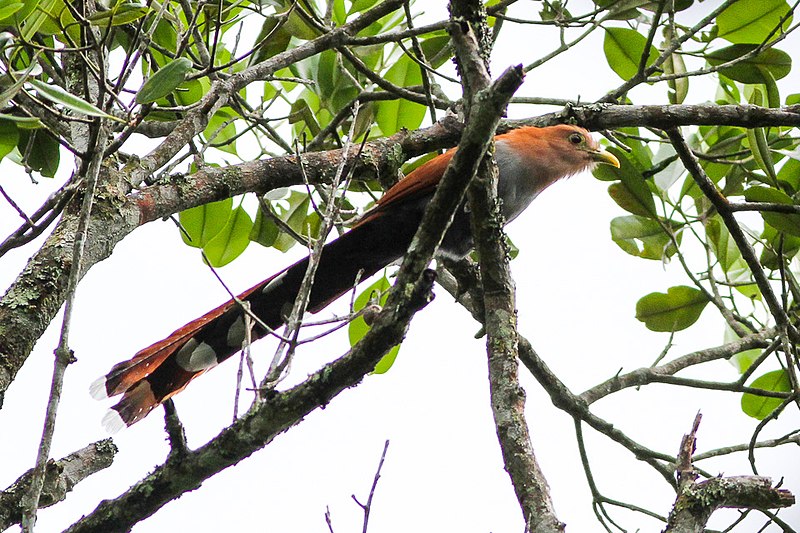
529	160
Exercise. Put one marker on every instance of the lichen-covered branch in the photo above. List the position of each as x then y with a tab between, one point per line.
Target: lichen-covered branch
498	295
697	500
60	478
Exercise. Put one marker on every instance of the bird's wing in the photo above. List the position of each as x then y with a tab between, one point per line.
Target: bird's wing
422	181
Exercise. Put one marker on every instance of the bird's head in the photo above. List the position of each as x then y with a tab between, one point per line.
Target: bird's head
577	149
546	155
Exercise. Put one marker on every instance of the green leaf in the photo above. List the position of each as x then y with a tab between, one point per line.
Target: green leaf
757	141
751	21
387	361
723	245
44	153
11	91
676	310
789	174
294	216
776	62
375	293
620	10
437	49
642	237
678	87
265	230
609	173
361	5
9	8
221	130
742	360
120	15
273	39
780	221
229	243
554	11
393	115
634	195
204	222
771	86
624	49
191	91
779	247
56	94
759	407
299	28
300	113
164	81
26	123
9	137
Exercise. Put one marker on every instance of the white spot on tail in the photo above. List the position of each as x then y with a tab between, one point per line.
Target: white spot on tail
98	389
194	357
236	332
112	422
277	280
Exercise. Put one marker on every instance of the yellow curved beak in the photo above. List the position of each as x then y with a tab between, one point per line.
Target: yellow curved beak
607	158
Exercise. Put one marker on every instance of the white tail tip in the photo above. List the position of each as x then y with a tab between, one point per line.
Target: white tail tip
98	389
112	422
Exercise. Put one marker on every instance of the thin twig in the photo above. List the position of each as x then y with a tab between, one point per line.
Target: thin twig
367	507
63	352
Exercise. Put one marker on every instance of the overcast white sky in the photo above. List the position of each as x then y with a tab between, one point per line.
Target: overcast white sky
576	295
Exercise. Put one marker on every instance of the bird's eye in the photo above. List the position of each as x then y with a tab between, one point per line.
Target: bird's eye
576	138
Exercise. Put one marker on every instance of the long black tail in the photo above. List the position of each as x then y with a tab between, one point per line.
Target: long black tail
160	371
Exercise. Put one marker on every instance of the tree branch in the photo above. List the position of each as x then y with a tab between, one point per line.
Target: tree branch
645	375
696	501
498	293
60	478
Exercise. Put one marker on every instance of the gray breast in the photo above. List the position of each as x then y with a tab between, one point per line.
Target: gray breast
517	184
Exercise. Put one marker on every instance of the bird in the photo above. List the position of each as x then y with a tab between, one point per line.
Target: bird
529	159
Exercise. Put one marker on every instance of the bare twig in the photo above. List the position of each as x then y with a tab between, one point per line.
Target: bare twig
63	352
367	507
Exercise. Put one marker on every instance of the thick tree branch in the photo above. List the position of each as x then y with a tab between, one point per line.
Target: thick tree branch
60	478
696	501
498	293
604	116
